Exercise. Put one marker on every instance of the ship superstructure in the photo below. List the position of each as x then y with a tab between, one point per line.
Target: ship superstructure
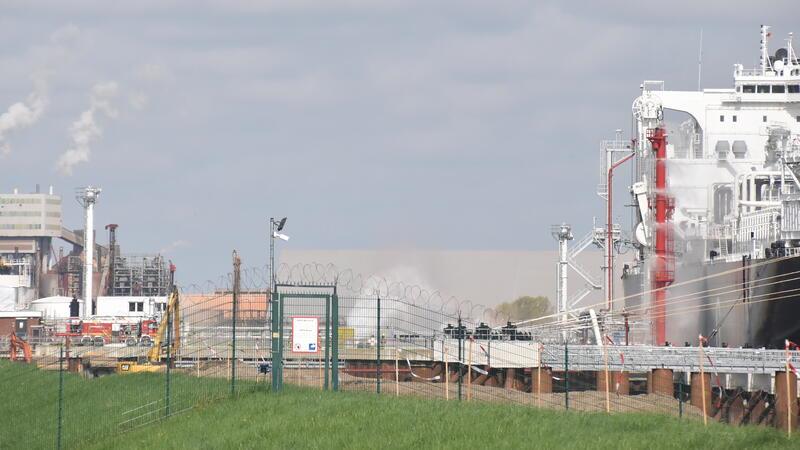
718	203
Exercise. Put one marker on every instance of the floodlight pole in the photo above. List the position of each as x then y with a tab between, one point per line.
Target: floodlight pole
274	227
271	255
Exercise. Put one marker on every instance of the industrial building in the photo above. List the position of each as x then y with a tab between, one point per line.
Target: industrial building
42	263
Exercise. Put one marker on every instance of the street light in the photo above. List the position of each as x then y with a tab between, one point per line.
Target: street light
275	227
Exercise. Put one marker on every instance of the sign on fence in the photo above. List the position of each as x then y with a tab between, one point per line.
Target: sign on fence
305	334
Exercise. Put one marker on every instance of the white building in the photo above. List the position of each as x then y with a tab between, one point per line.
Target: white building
30	215
56	307
28	224
130	306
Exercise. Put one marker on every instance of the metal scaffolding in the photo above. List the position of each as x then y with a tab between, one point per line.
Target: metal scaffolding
140	275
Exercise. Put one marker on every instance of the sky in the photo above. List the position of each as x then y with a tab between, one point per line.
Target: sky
453	125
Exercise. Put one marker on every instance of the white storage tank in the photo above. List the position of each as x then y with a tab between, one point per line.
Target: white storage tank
56	307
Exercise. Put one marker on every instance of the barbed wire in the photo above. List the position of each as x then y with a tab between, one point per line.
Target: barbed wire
351	283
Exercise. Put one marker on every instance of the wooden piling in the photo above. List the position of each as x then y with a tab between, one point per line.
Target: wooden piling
659	381
786	401
700	392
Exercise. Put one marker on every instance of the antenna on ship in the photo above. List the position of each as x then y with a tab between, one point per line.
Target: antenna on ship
700	62
765	34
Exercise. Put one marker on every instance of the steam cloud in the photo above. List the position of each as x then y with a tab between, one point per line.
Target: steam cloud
23	114
173	246
86	130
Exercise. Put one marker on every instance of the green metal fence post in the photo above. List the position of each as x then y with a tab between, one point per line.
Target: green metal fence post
335	343
378	354
281	304
60	395
169	362
327	337
275	339
460	358
680	398
566	376
236	275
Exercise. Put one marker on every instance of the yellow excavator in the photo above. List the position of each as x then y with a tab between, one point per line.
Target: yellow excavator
163	345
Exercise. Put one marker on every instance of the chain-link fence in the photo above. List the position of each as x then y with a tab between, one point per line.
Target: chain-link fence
82	382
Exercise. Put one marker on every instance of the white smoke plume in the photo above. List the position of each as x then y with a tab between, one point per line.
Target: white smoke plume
23	114
172	246
86	130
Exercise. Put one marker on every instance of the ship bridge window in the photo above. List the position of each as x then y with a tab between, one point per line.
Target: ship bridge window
722	118
794	88
749	89
763	89
778	89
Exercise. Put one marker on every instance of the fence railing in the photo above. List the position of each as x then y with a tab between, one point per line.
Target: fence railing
386	346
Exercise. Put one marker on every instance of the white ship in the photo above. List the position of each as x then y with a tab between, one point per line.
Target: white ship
717	222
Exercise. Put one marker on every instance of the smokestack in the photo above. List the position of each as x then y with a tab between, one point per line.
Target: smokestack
87	197
51	189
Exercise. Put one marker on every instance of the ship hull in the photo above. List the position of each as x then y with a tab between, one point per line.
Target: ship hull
754	303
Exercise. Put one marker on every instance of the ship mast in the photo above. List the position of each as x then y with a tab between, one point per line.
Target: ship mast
765	64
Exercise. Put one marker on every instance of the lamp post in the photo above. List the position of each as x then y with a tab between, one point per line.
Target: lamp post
275	227
274	325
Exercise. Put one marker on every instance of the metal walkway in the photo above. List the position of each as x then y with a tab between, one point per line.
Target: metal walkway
679	359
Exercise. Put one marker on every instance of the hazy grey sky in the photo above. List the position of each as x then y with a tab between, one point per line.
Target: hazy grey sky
394	124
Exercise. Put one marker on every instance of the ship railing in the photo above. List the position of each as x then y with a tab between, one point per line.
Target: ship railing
754	72
786	252
760	227
790	216
716	231
722	234
578	247
761	223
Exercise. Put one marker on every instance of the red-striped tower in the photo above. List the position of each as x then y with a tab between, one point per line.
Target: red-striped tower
662	271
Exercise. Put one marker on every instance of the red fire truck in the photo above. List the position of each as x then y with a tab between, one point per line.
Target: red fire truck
99	331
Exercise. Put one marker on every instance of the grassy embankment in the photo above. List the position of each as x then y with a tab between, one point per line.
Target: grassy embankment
305	418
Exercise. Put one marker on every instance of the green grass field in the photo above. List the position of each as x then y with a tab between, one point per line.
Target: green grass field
303	418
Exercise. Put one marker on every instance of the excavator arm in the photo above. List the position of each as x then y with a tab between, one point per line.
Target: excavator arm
18	344
171	318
